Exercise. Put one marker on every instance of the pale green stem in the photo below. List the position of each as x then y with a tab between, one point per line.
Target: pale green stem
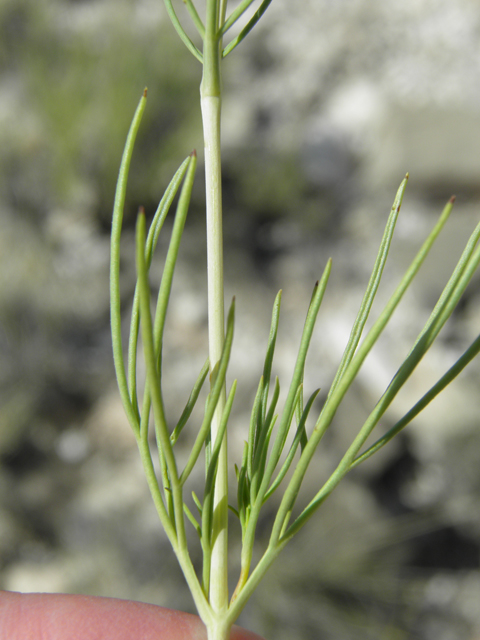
211	112
219	629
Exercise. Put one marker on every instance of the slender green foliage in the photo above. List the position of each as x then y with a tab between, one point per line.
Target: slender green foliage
281	444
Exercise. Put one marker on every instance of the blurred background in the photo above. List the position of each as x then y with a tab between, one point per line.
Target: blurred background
327	106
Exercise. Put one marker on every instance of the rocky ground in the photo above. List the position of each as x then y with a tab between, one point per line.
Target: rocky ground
327	107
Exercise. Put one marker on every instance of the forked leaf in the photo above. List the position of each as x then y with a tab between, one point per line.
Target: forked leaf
152	239
181	32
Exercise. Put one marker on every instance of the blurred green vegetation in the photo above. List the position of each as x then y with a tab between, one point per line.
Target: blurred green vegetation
78	70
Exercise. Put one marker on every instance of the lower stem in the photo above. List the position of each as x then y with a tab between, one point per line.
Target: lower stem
219	631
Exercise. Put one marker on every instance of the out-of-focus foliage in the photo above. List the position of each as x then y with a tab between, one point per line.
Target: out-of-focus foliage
74	70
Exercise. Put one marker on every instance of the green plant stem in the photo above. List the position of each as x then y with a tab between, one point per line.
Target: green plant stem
210	92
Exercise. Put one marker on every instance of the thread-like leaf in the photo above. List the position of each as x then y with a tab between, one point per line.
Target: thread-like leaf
236	15
247	28
372	287
195	17
181	32
115	302
469	354
300	436
192	401
152	239
331	406
289	407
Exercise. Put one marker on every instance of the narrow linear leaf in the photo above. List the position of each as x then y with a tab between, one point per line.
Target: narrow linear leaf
472	351
372	287
163	508
263	441
192	401
153	380
272	339
253	429
172	253
242	487
197	502
235	15
300	436
261	461
332	403
405	370
152	239
193	520
115	302
448	300
234	511
195	18
297	377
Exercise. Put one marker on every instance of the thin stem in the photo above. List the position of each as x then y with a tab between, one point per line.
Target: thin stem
211	114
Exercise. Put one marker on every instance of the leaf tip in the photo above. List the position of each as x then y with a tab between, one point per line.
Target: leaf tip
452	199
194	153
145	92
